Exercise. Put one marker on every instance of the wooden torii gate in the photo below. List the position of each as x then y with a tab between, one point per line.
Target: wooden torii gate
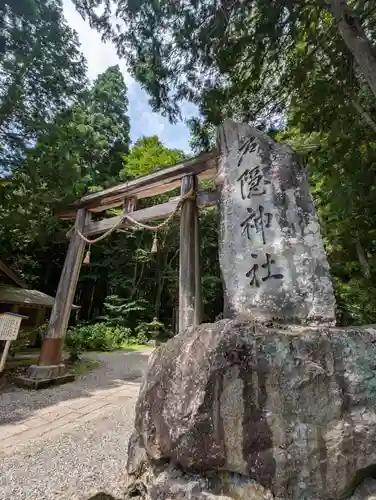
186	175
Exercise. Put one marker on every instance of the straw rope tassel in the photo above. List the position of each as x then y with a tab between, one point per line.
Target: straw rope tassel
87	256
154	248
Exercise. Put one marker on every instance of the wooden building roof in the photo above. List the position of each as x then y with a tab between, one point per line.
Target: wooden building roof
13	290
10	294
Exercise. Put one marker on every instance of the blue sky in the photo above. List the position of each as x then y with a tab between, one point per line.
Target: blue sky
99	57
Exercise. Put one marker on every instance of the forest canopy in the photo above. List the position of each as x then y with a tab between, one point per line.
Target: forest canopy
305	72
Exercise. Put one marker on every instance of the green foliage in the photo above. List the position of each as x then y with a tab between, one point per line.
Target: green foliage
108	124
97	337
42	72
148	154
41	69
141	335
120	311
339	151
355	302
61	138
145	284
283	66
247	60
21	343
83	146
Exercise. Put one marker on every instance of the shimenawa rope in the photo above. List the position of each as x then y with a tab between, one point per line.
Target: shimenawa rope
191	195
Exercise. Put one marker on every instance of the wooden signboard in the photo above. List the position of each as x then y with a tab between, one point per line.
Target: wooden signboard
9	327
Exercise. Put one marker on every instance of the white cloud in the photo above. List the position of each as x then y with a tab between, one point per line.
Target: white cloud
99	57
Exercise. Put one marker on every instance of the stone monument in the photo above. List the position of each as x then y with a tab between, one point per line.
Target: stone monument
272	402
272	257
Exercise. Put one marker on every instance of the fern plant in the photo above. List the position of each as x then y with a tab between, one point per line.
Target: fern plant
124	312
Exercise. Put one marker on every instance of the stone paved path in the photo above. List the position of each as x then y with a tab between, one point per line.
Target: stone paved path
70	442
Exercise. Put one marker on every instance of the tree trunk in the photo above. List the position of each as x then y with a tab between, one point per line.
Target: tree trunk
90	308
366	116
139	280
356	40
135	281
162	280
158	294
362	259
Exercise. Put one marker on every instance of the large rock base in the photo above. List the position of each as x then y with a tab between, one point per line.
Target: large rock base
235	410
173	484
150	480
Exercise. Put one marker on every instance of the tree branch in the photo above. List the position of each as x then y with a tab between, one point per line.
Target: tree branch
356	40
366	117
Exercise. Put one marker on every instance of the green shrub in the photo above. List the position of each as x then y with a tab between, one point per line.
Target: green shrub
27	338
39	334
122	311
97	337
141	336
42	330
20	344
356	304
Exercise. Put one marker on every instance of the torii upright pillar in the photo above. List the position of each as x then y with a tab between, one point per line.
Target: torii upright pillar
190	305
50	368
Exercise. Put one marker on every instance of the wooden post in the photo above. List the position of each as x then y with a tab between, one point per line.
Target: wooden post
189	269
40	316
197	245
51	352
130	205
4	355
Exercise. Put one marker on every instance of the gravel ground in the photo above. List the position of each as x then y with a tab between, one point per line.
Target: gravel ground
79	463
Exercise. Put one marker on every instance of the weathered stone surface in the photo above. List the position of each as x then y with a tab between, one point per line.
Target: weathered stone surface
272	257
170	483
175	485
292	408
137	460
42	372
366	491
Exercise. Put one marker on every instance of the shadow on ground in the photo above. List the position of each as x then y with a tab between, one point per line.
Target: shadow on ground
103	496
115	369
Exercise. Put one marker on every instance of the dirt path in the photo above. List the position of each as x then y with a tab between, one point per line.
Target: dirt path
70	442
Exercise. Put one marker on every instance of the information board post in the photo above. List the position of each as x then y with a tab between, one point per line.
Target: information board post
9	327
4	355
